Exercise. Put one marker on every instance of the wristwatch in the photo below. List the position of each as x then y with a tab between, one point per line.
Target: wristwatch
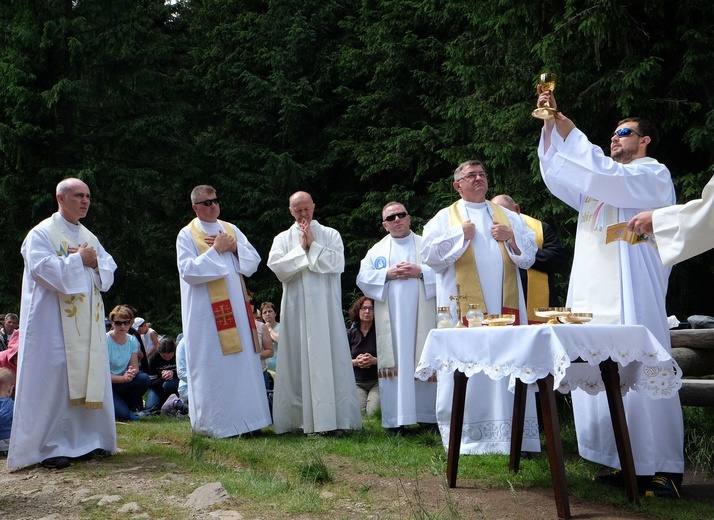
421	275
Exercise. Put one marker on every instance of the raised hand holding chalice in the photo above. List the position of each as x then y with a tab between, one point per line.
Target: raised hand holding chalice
547	83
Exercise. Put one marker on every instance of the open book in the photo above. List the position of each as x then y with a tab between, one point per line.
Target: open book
619	231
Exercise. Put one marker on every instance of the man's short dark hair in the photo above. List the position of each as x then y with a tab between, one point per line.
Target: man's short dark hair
645	127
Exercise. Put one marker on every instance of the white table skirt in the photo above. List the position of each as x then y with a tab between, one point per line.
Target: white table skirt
531	352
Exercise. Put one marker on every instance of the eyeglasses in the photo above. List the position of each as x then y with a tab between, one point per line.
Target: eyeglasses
471	176
367	309
118	323
625	132
392	218
208	202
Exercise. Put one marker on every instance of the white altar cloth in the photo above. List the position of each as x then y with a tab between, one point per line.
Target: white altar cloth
531	352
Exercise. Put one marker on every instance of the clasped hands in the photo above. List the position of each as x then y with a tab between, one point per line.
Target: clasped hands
365	360
222	242
87	253
306	237
130	374
403	270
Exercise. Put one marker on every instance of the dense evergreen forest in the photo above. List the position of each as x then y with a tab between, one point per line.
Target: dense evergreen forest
358	102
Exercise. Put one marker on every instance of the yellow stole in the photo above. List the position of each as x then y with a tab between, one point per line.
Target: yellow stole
538	291
220	300
467	271
83	330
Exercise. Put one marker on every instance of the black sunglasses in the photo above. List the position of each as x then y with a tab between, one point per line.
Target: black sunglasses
208	203
120	322
391	218
625	132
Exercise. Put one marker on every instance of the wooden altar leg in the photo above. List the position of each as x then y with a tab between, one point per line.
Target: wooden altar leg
519	417
457	426
611	379
554	445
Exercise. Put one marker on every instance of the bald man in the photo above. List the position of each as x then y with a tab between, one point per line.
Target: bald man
315	390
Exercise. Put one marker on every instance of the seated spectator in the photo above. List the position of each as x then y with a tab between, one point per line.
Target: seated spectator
8	358
128	384
267	310
148	336
363	344
163	375
9	325
7	405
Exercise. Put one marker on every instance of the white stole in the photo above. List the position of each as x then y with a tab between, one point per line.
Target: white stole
83	328
589	293
426	312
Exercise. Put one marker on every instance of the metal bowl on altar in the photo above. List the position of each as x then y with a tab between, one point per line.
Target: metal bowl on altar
552	313
577	318
499	320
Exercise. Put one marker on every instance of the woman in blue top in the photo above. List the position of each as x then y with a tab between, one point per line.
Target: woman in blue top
128	384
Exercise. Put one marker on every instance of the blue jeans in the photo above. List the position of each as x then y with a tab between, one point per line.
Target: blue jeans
156	397
128	396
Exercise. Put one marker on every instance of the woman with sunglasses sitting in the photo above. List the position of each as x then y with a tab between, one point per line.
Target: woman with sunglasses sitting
128	384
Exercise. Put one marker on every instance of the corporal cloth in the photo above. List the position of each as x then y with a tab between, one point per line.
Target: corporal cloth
315	389
226	393
685	230
618	283
489	404
405	312
45	424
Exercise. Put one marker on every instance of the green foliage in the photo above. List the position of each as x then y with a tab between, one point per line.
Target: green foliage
358	103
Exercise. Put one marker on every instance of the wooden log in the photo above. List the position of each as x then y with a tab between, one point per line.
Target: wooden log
697	392
694	362
692	338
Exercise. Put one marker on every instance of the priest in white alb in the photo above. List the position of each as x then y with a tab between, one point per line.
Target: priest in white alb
63	400
681	231
315	390
403	288
226	389
617	282
480	246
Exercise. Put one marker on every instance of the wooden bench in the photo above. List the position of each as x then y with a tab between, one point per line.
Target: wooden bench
693	349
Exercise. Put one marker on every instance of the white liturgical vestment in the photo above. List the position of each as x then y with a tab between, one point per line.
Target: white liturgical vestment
685	230
315	390
45	424
618	283
226	393
404	399
489	404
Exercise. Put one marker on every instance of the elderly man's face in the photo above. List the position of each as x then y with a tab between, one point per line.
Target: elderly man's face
472	183
302	208
10	325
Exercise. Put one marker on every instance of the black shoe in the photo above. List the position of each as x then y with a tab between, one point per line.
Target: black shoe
612	478
399	430
337	434
55	463
429	428
661	487
97	454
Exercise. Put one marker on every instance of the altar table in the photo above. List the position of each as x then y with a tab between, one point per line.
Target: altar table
595	358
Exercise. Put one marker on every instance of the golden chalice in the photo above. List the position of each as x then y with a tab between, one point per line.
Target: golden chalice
547	83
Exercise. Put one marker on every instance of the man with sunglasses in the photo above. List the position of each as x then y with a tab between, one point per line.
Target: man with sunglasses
476	248
225	381
63	407
315	391
617	282
403	289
